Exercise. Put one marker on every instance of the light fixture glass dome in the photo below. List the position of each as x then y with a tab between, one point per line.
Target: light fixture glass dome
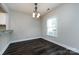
35	14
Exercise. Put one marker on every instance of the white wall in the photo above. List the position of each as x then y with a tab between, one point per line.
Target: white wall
68	25
24	26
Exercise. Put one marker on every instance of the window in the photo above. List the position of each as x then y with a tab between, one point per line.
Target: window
52	27
2	18
2	21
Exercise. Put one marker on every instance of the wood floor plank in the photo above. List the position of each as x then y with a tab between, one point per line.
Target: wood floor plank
37	46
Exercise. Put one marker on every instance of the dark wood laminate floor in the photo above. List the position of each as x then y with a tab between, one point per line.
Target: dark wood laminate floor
37	47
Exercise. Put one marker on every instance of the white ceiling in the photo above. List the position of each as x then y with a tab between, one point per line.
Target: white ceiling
28	7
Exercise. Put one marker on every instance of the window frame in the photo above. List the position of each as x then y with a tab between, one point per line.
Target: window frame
55	34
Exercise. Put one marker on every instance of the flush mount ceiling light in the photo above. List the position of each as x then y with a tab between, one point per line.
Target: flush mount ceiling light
35	14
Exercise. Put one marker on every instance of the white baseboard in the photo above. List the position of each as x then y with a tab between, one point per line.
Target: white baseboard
3	50
24	39
63	45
